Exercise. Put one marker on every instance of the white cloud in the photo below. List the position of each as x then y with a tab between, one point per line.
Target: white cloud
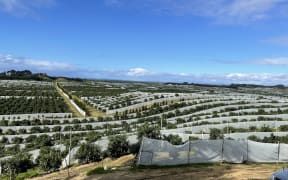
281	40
48	65
138	72
56	68
273	61
8	61
257	78
222	11
24	7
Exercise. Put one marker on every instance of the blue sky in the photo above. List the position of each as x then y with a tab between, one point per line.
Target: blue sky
211	41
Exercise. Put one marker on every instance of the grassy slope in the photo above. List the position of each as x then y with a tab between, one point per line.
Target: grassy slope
79	172
70	106
125	170
91	111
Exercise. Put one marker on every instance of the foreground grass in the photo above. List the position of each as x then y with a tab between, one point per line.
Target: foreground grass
227	166
92	112
68	103
22	176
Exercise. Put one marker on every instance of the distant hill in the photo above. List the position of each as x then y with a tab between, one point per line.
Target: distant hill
24	75
235	86
28	75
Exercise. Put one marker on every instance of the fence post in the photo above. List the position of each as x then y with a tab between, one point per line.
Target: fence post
222	151
140	152
247	150
278	152
189	152
152	157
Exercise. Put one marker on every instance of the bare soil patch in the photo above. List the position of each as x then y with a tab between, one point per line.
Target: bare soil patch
197	172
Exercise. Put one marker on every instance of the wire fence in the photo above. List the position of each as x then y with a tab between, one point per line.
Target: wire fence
159	152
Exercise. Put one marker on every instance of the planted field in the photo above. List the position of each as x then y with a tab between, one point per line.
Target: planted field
29	97
176	113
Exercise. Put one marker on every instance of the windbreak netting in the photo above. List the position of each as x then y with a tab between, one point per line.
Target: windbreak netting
235	151
158	152
262	152
283	155
208	151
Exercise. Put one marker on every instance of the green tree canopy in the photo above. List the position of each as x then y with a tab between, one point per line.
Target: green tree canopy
148	131
88	153
118	146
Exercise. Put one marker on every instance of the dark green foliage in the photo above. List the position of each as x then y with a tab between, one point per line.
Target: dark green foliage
283	128
92	136
134	148
193	138
148	131
19	163
23	75
118	146
37	105
49	159
271	139
173	139
216	134
43	140
88	153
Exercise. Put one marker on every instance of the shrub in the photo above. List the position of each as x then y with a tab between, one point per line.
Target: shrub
88	153
152	132
49	159
173	139
216	134
118	146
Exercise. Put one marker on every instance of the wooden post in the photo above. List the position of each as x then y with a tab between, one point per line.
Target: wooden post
222	153
247	150
189	151
140	152
278	152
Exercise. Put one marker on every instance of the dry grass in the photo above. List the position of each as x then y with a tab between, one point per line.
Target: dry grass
79	172
206	172
215	172
67	101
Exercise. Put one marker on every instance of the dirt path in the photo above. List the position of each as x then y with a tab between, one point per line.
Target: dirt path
197	172
79	172
219	172
67	101
92	112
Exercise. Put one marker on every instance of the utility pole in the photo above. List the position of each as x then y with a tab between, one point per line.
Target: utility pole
227	128
161	122
69	155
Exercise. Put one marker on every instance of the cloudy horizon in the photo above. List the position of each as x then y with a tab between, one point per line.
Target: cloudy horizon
213	41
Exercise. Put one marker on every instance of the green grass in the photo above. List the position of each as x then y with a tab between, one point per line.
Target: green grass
141	167
22	176
98	170
29	174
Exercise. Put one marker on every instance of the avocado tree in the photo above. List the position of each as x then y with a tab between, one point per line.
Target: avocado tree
148	131
49	159
118	146
88	153
216	134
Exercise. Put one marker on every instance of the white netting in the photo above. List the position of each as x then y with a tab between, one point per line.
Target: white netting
207	151
283	155
235	151
262	152
158	152
164	153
